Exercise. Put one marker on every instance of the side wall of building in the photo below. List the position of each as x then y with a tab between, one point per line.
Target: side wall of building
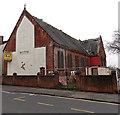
102	54
100	59
76	64
1	58
40	41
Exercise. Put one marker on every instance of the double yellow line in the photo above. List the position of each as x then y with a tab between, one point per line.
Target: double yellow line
74	109
91	101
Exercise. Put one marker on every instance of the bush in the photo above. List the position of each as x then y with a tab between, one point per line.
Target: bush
70	86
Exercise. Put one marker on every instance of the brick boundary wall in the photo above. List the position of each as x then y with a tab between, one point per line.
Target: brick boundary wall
99	83
8	80
32	80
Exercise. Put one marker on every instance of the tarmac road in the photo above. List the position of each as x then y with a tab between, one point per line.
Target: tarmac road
16	102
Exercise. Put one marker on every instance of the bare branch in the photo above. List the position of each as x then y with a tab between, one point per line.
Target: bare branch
114	46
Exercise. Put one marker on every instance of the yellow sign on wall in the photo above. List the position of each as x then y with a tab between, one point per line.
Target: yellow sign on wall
7	56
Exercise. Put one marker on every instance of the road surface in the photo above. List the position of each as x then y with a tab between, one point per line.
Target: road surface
16	102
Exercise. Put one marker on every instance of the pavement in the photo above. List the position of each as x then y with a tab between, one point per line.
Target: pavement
104	97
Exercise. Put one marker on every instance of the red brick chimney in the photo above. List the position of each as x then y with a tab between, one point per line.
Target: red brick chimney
1	40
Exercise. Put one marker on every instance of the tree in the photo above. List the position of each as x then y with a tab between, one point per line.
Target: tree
114	46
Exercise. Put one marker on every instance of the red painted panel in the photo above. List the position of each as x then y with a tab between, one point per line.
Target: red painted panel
95	61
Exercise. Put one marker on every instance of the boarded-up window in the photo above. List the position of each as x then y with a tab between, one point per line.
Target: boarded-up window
76	61
82	61
60	59
69	60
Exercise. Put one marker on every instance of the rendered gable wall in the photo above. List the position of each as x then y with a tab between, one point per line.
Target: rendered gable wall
27	60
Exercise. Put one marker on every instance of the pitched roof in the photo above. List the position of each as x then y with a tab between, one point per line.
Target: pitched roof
88	47
61	38
92	46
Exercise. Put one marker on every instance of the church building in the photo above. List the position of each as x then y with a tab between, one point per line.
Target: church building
35	44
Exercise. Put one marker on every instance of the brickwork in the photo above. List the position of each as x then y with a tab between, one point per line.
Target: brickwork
66	52
49	81
42	38
8	80
84	83
36	81
73	58
106	83
102	54
26	81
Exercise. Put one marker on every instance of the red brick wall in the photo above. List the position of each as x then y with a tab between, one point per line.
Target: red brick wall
107	83
68	51
7	80
73	57
102	54
25	81
11	45
36	81
43	39
49	81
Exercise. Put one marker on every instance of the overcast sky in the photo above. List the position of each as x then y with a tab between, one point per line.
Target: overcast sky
81	19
